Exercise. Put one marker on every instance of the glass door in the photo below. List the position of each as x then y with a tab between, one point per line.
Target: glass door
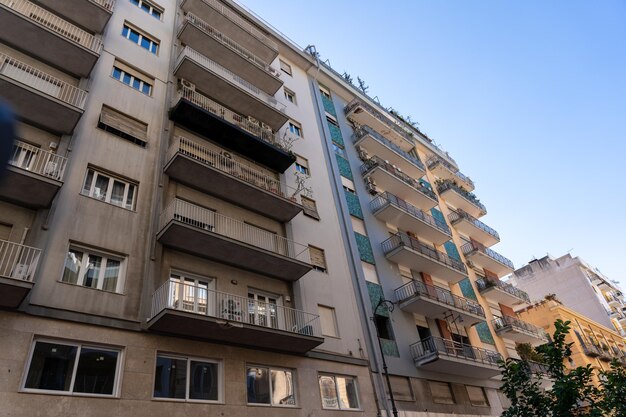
263	309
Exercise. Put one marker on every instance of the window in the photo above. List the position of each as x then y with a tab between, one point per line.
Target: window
289	95
73	368
132	78
339	150
477	396
123	126
441	392
109	189
302	165
187	379
310	208
325	92
285	67
383	327
328	321
140	38
318	259
148	8
339	392
270	386
93	270
191	293
295	128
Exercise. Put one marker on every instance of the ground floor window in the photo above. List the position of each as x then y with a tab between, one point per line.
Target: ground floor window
270	386
339	392
187	378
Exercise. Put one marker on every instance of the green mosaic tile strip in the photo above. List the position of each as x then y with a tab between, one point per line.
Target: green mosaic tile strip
467	290
484	334
376	293
390	347
335	135
354	207
452	250
344	167
329	107
365	248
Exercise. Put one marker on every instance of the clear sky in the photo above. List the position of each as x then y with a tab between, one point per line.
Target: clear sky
529	97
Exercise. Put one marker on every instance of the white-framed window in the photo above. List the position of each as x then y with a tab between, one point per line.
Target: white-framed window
132	78
192	293
302	165
92	269
270	386
328	321
289	95
295	128
187	379
135	35
73	369
285	67
149	8
110	189
339	392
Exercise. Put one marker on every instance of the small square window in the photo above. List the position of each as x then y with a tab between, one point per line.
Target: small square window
310	207
477	396
318	258
328	321
295	128
148	7
441	392
285	67
339	392
106	188
92	269
289	95
302	165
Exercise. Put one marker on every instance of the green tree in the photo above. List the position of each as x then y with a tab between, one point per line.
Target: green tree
613	400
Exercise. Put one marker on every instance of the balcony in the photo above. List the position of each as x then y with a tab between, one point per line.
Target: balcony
364	114
410	252
39	98
202	115
18	264
234	26
93	15
460	198
388	177
202	232
502	292
202	37
38	32
521	332
487	258
590	350
378	145
446	171
200	313
33	177
450	357
393	210
613	301
435	302
218	174
474	228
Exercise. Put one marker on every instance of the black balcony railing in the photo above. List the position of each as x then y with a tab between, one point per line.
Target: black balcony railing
446	347
444	185
486	283
385	198
403	240
471	247
366	130
439	294
504	322
435	160
458	215
375	162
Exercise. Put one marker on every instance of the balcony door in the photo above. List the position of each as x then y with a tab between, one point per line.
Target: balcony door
192	294
264	309
24	156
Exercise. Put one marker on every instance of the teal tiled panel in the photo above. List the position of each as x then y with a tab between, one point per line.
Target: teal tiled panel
376	293
426	184
438	216
354	207
390	347
451	250
329	107
344	167
484	333
335	134
365	248
467	290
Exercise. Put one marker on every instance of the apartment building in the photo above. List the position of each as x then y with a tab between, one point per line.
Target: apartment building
577	285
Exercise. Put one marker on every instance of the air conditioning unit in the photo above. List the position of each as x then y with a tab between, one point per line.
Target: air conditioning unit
51	169
20	271
363	155
188	84
231	310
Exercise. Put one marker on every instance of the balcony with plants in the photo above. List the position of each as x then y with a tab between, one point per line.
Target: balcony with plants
487	258
502	292
474	228
460	198
446	171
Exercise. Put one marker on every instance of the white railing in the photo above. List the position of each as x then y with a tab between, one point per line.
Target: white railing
222	161
107	4
34	159
220	37
200	300
54	23
42	82
18	261
216	68
213	222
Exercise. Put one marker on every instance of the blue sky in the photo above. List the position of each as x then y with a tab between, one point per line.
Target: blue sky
529	97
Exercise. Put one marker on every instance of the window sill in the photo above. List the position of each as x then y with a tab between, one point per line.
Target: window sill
91	288
67	394
273	406
183	401
110	204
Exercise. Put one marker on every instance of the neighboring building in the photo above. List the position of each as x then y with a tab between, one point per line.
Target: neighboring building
577	285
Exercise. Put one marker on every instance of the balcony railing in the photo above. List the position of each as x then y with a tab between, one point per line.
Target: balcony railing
434	160
450	185
385	198
18	261
507	321
459	214
231	44
54	23
375	161
381	117
485	283
446	347
37	160
42	82
196	299
227	165
366	130
107	4
403	240
591	350
439	294
474	246
213	222
216	68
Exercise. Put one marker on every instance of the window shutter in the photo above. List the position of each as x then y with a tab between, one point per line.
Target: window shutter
310	208
123	123
477	396
441	392
317	257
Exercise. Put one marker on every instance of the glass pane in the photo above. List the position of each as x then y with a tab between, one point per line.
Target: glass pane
346	388
170	378
125	31
93	271
88	181
51	367
101	187
135	2
146	88
133	36
130	197
111	273
117	73
145	7
71	271
145	43
126	79
136	84
156	14
96	371
282	388
258	384
328	392
117	193
153	48
204	381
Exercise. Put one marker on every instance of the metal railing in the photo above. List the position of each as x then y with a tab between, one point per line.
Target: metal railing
364	130
34	159
32	77
375	161
500	323
210	221
591	350
224	163
445	185
385	198
381	117
18	261
459	214
197	299
439	294
231	44
107	4
486	283
470	247
54	23
446	347
231	77
402	239
434	160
